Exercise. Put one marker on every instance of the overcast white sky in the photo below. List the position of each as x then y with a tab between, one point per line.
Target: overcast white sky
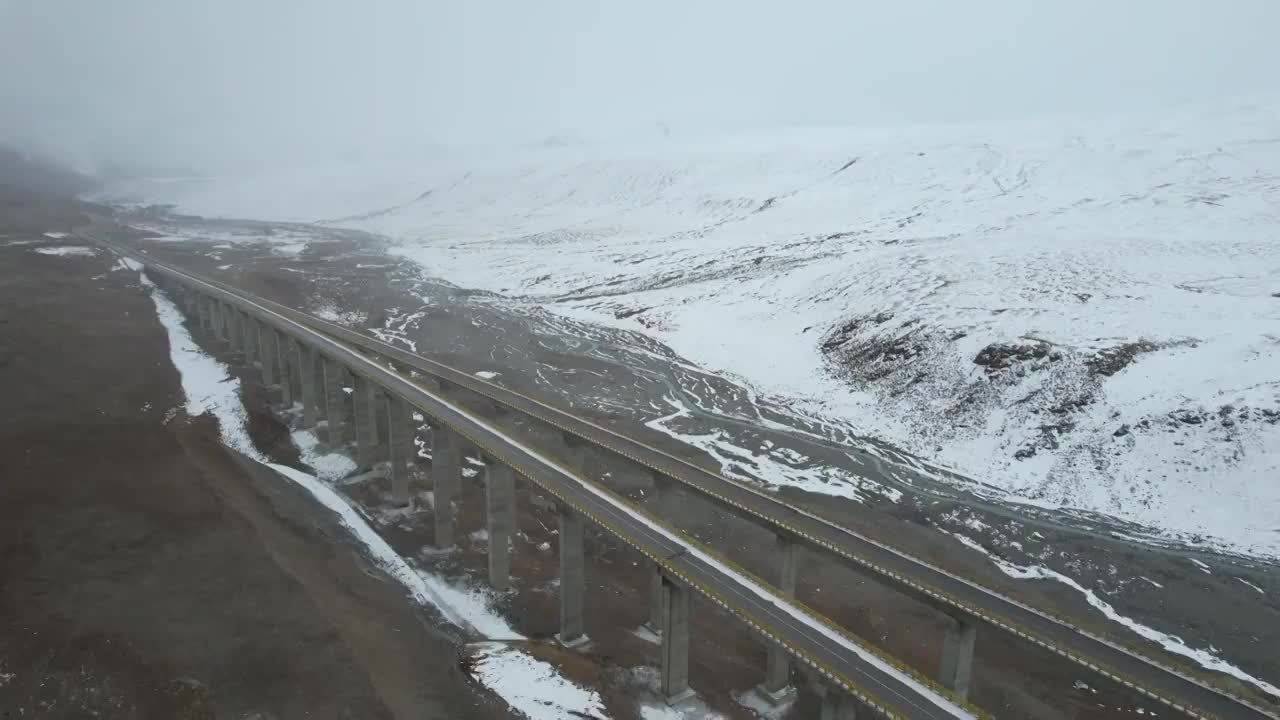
229	82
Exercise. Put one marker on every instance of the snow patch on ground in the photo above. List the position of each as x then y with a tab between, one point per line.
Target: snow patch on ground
56	235
772	466
67	250
329	466
751	700
533	687
334	314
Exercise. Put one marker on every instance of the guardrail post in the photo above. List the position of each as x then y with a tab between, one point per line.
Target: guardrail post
335	403
957	655
572	578
366	406
400	445
837	705
285	356
675	641
500	497
445	476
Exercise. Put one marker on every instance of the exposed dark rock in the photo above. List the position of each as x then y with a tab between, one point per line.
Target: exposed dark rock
1110	361
1000	356
1121	431
1187	417
846	166
624	314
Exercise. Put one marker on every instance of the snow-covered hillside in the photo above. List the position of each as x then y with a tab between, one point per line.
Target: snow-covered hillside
1084	315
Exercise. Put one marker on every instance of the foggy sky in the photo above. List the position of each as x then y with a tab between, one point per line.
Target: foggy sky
223	83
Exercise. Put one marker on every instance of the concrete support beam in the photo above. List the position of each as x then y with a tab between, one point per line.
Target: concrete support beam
572	578
445	479
957	656
366	407
675	641
287	364
836	705
400	442
310	375
335	379
499	486
777	687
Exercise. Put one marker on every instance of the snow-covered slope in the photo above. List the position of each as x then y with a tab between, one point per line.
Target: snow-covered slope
1084	315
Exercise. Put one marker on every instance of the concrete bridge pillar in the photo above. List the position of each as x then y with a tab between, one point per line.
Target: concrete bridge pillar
400	444
202	310
235	336
366	412
957	656
219	317
500	498
654	624
675	641
572	578
335	379
777	686
249	326
285	355
270	355
837	705
579	458
445	479
310	375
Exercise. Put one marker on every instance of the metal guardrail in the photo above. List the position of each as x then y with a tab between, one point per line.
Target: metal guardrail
855	667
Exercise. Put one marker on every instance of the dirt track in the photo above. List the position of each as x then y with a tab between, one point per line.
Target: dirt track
148	572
